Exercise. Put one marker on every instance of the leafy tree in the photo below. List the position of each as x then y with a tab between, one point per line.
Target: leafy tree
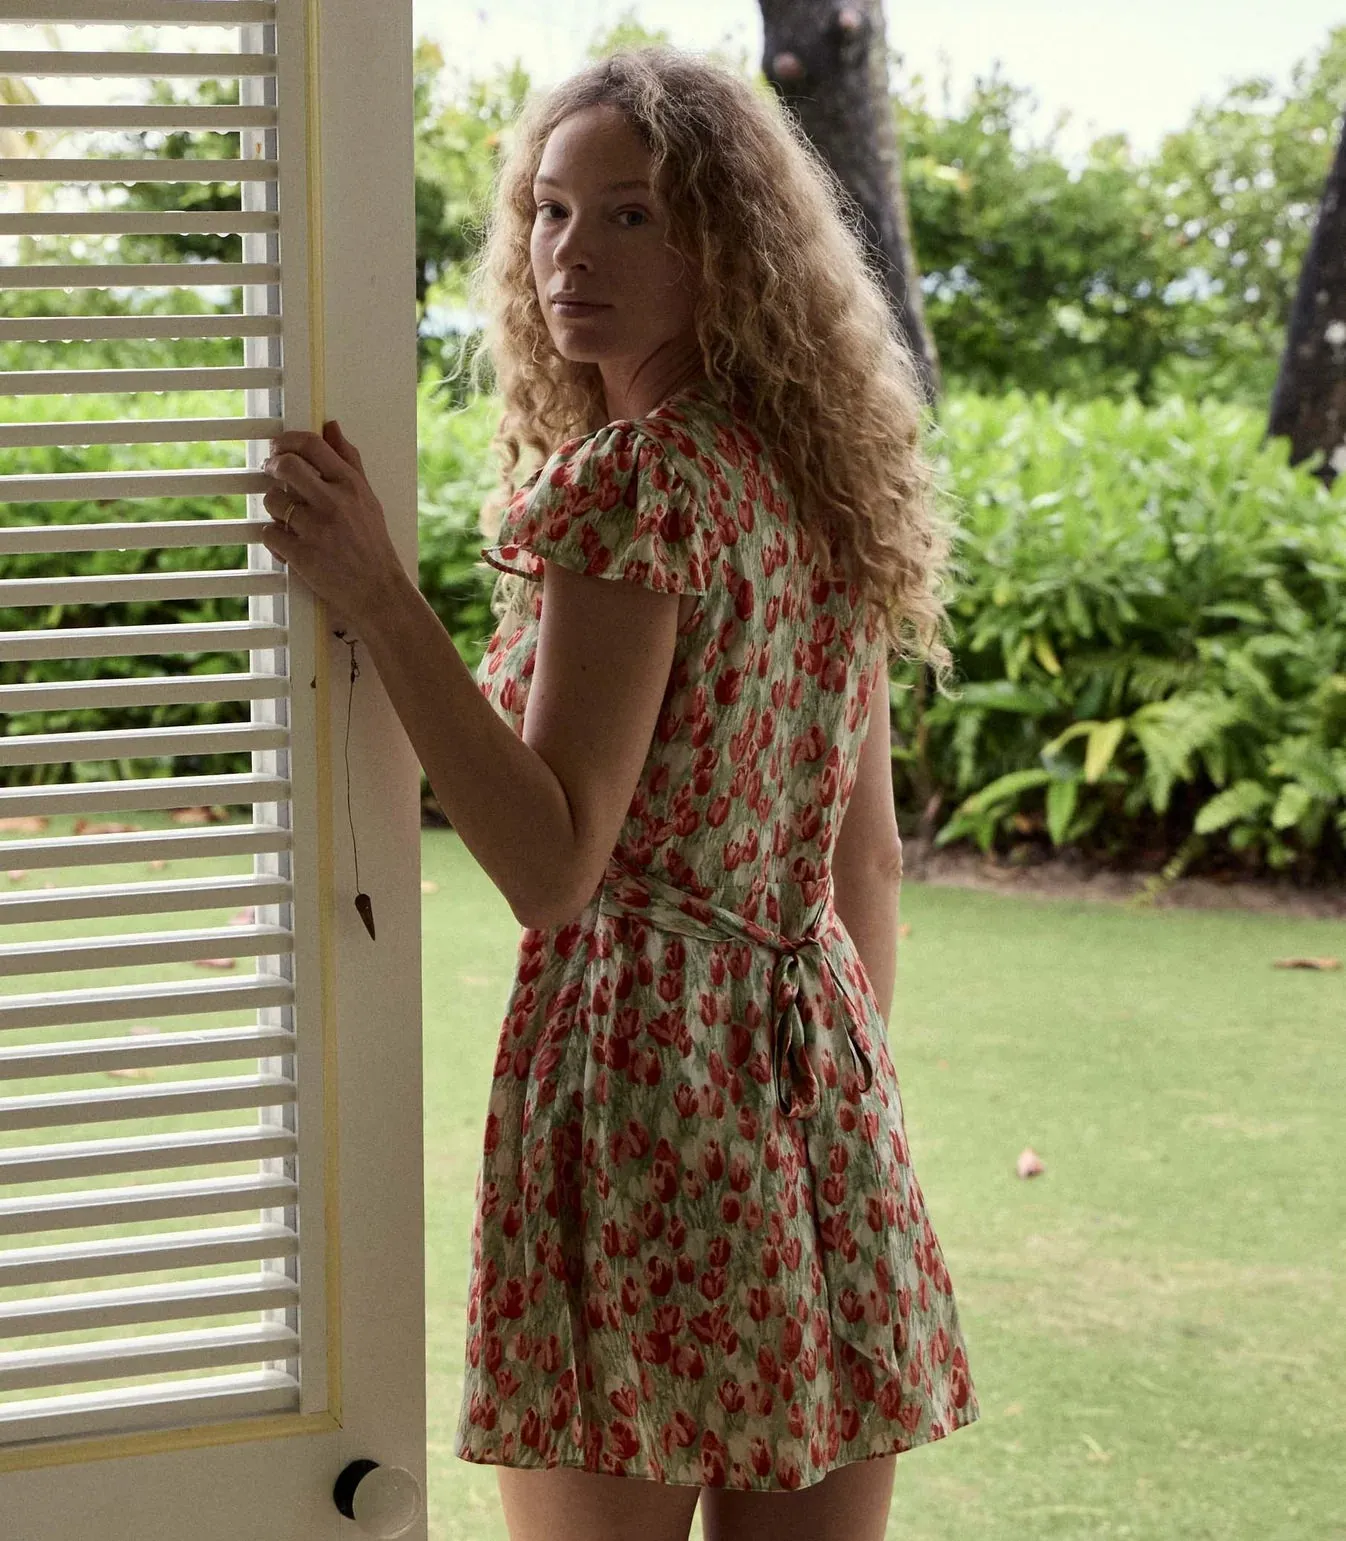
457	131
1234	196
1172	272
456	140
1034	275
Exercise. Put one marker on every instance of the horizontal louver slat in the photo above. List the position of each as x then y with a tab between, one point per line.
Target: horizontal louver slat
106	1054
34	749
145	536
144	947
160	792
64	61
145	1254
145	1153
153	1354
109	170
176	275
74	382
161	1201
178	13
264	1291
147	588
219	1399
126	328
131	484
167	845
57	748
224	118
191	430
118	641
49	1110
115	1003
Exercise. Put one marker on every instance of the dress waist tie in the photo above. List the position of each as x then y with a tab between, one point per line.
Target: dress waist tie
852	1201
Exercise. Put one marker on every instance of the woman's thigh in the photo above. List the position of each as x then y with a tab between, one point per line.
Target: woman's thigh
565	1504
849	1504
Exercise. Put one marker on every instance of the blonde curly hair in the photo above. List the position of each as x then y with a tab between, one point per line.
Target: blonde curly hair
788	315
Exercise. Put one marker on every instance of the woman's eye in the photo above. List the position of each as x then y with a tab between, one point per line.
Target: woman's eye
639	213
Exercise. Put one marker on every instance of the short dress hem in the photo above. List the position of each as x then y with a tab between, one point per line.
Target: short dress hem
965	1418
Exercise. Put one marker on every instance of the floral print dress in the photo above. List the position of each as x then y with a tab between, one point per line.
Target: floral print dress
700	1254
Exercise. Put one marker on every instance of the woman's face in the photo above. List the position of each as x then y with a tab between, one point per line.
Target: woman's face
606	243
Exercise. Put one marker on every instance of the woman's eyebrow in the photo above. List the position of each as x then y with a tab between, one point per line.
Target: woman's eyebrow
610	188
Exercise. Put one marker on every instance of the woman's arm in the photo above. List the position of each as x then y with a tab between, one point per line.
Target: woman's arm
540	812
867	905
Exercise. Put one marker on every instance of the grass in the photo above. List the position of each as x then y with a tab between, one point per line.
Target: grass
1156	1323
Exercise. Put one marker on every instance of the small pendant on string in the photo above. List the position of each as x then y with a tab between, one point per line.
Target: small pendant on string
363	903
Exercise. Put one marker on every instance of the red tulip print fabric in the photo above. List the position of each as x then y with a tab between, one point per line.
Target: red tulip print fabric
700	1254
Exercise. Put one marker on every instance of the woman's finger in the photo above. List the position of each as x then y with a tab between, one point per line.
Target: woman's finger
313	448
346	449
296	472
277	502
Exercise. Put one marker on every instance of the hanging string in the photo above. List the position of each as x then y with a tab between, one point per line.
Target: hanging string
363	903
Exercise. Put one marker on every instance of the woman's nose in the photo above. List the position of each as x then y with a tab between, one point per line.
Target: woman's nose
572	246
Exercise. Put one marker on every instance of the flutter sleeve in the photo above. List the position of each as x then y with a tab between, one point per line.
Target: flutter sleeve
610	504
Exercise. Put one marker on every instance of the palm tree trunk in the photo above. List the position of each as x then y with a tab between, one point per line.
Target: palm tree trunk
1308	405
829	63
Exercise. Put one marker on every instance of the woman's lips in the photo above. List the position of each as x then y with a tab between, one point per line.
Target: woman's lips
576	308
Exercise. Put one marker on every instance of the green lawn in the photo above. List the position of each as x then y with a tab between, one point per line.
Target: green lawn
1156	1323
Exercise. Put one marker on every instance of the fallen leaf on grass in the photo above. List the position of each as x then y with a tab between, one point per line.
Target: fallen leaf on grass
1029	1163
1096	1451
101	827
429	886
904	929
17	874
215	962
25	823
1307	963
243	917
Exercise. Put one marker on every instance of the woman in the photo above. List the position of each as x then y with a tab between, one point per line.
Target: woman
700	1255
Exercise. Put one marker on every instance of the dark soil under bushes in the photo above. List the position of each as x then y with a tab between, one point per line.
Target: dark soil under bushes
1072	876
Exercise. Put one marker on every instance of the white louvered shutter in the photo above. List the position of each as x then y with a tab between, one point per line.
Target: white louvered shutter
175	1241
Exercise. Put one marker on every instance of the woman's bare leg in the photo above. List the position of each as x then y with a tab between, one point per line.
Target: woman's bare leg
849	1504
565	1504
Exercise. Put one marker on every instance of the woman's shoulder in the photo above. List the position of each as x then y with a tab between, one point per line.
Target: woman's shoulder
699	436
703	432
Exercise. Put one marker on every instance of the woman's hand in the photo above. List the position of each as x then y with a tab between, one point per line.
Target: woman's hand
337	540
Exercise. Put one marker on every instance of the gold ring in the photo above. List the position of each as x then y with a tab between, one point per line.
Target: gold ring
289	510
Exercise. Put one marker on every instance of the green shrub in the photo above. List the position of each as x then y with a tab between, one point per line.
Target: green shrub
1150	635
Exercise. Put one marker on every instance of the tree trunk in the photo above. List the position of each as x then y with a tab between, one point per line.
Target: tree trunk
1308	405
828	60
